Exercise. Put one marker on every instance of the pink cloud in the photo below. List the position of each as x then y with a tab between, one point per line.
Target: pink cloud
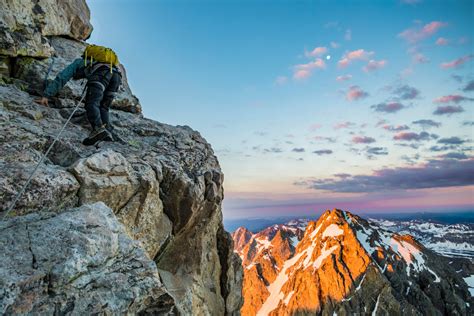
419	58
374	65
343	63
344	78
359	54
355	93
341	125
318	51
442	41
452	98
411	136
362	140
414	35
457	62
302	74
304	71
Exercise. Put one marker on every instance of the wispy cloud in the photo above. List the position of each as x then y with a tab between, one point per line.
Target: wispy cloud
388	107
373	65
356	93
419	58
412	136
303	71
406	92
273	150
416	34
363	140
448	110
359	54
317	52
342	125
324	138
425	124
457	62
442	41
452	98
335	45
454	155
395	128
469	86
433	174
377	151
321	152
451	141
343	78
298	150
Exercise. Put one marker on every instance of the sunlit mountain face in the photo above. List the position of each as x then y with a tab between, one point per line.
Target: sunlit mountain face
344	264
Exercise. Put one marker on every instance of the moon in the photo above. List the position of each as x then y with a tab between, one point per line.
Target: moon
328	57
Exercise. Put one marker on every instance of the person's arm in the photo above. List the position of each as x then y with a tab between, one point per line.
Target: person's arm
62	78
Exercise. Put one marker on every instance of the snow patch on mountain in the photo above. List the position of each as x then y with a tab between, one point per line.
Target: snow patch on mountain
332	230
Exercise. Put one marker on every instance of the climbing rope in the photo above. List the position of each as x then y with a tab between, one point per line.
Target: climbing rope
22	191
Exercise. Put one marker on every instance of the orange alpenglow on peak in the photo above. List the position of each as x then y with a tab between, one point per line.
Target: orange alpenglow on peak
344	264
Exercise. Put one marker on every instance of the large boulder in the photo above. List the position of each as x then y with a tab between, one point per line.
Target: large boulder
79	262
132	191
24	25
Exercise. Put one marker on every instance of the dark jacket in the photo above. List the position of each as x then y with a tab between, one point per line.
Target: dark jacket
76	70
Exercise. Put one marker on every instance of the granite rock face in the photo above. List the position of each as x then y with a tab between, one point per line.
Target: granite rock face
79	262
162	183
25	25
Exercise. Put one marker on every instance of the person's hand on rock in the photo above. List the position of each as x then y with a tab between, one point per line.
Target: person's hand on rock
43	101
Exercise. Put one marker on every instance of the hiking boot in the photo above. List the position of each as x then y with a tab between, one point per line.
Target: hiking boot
96	135
113	133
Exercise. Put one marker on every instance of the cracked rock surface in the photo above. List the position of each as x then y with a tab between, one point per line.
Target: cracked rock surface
80	262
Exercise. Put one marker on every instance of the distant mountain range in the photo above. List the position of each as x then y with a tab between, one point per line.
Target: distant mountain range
448	217
342	264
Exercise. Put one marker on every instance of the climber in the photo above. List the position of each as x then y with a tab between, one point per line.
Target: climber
98	65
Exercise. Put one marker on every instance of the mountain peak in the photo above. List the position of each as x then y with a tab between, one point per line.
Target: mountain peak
341	262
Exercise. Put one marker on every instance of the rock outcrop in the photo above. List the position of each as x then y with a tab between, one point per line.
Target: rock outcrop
161	187
344	265
80	262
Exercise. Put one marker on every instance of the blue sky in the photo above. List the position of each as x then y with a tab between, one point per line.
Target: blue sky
258	79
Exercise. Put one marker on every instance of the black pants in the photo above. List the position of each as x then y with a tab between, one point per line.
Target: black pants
101	88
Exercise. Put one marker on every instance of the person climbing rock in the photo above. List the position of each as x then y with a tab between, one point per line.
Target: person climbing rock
98	65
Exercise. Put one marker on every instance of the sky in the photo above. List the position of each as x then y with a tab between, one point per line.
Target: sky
361	105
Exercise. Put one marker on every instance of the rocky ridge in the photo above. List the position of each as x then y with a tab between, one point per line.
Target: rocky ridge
131	227
345	265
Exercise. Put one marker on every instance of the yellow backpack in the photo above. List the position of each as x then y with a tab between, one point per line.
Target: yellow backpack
101	54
